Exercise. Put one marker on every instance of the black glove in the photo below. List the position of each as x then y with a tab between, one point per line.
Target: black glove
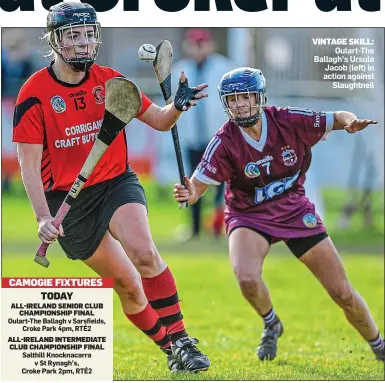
184	95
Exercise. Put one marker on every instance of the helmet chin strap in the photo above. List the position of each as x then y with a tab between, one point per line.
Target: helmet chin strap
79	65
247	122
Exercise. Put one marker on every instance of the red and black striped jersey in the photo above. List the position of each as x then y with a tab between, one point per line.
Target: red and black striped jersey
65	119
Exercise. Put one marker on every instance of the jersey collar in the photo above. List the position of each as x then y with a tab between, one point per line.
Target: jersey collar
258	145
53	75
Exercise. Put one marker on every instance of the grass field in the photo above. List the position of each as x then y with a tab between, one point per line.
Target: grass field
318	343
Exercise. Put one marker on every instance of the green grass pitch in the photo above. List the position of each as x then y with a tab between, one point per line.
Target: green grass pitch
318	343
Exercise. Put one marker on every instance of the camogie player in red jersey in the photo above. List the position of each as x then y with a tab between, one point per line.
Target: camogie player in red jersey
263	153
58	114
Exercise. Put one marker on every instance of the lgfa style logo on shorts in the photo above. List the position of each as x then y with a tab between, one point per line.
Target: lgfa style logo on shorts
310	220
58	104
98	94
288	155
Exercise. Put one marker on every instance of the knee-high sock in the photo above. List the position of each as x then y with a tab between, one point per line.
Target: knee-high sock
148	321
162	295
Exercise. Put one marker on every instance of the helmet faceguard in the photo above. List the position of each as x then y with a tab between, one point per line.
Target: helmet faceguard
243	81
65	17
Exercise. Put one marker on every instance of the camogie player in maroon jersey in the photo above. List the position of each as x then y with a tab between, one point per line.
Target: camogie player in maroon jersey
263	153
58	114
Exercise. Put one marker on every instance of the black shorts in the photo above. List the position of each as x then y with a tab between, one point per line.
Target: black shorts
89	217
298	246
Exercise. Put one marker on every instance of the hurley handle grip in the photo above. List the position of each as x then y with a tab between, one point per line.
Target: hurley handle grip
42	250
41	253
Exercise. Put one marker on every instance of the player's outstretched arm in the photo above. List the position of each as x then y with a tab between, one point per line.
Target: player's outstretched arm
164	118
195	189
348	121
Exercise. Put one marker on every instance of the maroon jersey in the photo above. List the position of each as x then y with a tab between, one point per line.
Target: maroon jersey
260	174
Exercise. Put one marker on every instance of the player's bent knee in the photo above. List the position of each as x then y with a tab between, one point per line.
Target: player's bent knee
246	274
343	294
129	290
250	285
145	257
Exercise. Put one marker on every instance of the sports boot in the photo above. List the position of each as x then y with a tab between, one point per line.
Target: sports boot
267	348
380	354
173	364
186	353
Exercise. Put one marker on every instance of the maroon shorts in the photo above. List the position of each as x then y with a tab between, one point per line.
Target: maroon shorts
292	216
